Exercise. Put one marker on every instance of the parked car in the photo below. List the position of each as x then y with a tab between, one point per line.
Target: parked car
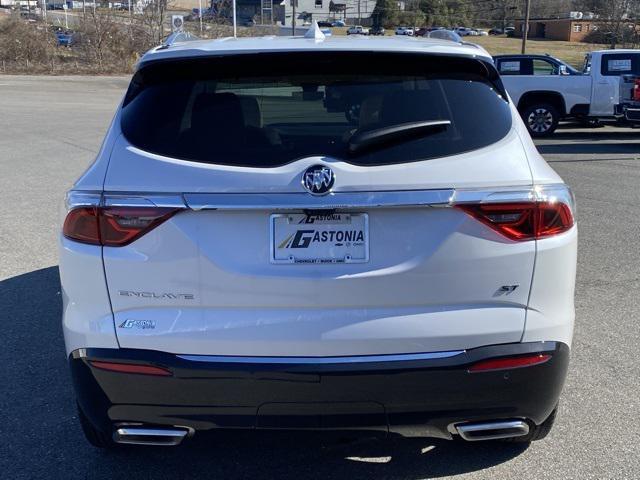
422	32
547	90
338	23
325	24
357	30
193	15
404	31
377	30
464	31
262	264
510	31
481	33
64	38
496	31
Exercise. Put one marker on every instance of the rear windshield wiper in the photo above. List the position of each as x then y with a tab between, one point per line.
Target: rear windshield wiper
387	136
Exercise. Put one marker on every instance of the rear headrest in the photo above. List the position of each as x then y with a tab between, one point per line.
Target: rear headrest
411	106
251	111
215	112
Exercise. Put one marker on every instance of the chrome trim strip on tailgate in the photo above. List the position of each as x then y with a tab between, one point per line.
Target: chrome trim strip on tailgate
321	360
301	201
170	200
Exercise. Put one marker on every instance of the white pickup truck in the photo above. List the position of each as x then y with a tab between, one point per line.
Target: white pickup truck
547	90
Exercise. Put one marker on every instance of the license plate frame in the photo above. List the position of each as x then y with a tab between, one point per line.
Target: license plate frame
346	254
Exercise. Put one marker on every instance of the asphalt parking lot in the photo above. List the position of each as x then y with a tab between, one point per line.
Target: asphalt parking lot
50	129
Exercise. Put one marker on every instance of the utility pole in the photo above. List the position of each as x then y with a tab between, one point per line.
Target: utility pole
235	21
293	18
525	28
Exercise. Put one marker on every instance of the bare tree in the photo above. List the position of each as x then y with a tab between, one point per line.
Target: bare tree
617	20
25	46
107	42
154	18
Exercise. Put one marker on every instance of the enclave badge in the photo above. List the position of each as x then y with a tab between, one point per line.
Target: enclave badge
318	179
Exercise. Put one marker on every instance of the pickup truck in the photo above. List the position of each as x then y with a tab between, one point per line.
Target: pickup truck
547	90
629	107
357	30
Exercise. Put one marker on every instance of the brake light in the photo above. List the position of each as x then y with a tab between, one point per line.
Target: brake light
523	220
507	363
81	225
113	226
635	92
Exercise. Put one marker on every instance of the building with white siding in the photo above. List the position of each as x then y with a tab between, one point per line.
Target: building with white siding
352	12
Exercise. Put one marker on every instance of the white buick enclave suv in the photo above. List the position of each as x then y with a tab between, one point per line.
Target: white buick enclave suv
308	233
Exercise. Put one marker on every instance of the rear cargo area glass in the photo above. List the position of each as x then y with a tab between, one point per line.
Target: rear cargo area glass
270	109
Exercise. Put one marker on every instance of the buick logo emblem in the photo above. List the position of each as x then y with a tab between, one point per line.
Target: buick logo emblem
318	180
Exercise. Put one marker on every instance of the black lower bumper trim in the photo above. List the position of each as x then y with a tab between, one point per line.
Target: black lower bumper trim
414	397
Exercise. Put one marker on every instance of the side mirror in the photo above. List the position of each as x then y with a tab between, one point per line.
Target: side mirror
562	70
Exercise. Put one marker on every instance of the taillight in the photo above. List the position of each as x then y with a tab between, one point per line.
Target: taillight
508	363
122	225
523	220
113	226
81	225
635	92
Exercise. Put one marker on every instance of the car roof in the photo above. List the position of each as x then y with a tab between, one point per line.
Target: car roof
617	50
231	46
524	55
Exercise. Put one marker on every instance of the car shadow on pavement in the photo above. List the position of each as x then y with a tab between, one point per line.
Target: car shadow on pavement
568	139
37	406
592	147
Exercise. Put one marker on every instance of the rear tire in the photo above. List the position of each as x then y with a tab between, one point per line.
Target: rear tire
541	119
536	432
94	436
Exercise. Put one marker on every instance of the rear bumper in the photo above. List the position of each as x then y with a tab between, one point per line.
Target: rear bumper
630	112
411	397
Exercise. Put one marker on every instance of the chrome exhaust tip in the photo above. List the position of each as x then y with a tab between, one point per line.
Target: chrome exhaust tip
150	436
473	432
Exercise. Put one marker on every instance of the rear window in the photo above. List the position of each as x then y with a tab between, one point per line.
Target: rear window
620	64
511	67
266	110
